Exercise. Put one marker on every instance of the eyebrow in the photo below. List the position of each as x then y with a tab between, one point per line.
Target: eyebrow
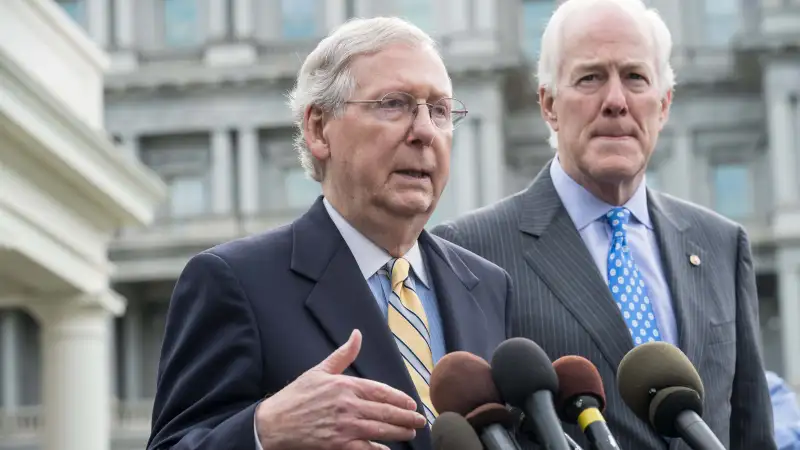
597	65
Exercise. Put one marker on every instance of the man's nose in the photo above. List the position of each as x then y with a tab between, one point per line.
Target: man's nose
615	104
423	131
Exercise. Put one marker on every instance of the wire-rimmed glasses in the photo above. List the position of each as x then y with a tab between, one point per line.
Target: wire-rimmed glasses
445	113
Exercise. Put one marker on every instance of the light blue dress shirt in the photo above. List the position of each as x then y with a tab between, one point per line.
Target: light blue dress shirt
785	413
588	214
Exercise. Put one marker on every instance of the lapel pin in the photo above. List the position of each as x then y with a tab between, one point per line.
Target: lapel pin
695	260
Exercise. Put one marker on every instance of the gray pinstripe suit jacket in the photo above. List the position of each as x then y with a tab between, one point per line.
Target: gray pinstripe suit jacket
562	302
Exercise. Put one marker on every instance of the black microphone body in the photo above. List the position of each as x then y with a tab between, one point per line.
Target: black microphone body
694	431
584	408
496	437
539	408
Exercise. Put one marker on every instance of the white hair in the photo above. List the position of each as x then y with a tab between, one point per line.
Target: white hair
550	55
325	79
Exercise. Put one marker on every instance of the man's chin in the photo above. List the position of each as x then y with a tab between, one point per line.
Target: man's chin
411	204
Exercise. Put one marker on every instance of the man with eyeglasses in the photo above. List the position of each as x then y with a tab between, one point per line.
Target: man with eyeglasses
323	334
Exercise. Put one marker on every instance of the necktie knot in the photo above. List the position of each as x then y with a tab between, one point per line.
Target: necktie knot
398	269
618	218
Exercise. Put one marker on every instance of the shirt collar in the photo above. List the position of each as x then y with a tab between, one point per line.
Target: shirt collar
584	208
369	257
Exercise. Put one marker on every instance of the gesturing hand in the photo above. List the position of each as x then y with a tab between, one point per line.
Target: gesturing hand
323	409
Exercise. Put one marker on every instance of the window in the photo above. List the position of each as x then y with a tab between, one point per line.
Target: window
299	18
535	14
183	162
75	9
180	22
418	12
732	190
284	184
722	21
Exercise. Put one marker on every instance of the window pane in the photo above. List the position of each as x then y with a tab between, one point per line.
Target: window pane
187	196
722	21
732	190
535	14
418	12
299	18
301	191
180	22
74	8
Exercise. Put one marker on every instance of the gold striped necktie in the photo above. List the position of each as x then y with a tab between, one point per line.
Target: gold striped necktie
409	325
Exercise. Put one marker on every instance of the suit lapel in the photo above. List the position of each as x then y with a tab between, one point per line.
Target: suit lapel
341	301
462	318
555	251
688	283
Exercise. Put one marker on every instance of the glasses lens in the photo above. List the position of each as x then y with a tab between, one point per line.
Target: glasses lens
447	113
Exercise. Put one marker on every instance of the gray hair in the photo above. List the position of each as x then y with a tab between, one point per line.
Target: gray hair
325	79
550	57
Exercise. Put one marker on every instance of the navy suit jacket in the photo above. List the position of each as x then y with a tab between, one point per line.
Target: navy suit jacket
249	316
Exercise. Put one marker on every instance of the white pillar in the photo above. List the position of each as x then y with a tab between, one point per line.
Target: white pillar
124	19
77	396
682	163
243	14
335	13
249	163
491	135
97	16
465	172
10	342
217	20
132	344
221	182
781	133
789	311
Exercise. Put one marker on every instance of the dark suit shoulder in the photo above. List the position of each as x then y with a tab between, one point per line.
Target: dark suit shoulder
697	215
477	264
484	223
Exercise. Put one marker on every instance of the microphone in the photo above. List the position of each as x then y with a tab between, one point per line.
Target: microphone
523	373
581	400
659	383
462	383
450	431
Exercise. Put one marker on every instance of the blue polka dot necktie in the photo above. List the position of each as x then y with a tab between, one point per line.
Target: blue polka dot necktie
626	282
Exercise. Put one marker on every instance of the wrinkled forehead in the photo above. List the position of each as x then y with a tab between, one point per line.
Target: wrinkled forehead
415	69
606	36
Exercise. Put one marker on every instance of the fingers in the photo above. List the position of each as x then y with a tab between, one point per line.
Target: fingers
365	445
383	393
390	415
339	360
371	430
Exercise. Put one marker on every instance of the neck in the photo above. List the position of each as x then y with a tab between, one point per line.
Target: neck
613	191
396	235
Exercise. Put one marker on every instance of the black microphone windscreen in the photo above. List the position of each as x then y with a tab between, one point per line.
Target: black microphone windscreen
519	368
577	376
461	382
451	431
651	367
668	404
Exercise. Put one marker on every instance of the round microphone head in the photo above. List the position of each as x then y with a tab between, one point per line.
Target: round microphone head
668	403
577	376
650	367
519	368
490	414
451	431
461	382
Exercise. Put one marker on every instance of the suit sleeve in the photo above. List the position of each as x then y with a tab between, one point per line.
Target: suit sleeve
210	372
751	410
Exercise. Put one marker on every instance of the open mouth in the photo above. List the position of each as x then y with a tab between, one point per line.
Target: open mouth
413	173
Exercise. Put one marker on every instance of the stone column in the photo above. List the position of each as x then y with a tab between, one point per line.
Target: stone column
789	311
10	342
76	374
243	23
683	165
132	343
249	163
124	20
221	171
217	20
97	17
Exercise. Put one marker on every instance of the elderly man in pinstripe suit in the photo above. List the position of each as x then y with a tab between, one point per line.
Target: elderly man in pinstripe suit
601	263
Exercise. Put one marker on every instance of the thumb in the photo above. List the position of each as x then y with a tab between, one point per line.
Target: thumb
339	360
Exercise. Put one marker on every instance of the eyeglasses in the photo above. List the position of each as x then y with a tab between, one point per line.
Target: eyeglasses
445	113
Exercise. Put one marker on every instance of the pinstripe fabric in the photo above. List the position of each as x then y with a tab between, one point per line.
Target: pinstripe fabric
561	302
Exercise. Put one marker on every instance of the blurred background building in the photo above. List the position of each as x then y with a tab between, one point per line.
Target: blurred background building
196	92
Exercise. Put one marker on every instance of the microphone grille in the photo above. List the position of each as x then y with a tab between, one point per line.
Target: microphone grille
451	431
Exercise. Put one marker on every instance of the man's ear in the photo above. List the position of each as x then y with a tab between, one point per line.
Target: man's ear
546	101
313	127
666	103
